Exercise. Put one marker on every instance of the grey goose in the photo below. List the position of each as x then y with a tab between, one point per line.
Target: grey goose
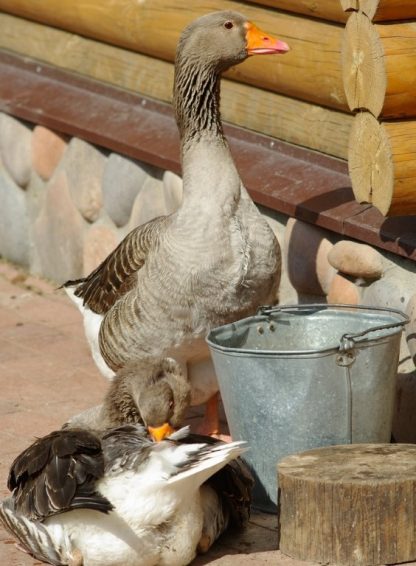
212	261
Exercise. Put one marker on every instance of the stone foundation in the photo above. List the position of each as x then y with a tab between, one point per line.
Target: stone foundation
66	204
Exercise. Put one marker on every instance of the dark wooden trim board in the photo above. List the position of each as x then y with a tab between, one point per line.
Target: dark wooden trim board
287	178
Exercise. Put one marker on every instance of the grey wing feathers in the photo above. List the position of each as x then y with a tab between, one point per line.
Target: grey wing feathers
126	447
116	274
32	535
58	472
233	483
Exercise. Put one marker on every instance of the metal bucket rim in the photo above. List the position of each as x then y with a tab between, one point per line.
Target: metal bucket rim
346	341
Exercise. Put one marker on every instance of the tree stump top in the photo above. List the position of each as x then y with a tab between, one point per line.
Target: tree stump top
353	463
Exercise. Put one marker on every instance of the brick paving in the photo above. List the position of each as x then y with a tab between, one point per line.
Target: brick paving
47	375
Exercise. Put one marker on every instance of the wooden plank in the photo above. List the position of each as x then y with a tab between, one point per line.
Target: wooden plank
379	62
310	71
326	9
382	164
276	115
385	10
363	495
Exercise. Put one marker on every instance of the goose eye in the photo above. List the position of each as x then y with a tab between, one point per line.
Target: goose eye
171	404
228	25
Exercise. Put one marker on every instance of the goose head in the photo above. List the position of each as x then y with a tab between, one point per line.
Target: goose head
208	46
156	395
222	39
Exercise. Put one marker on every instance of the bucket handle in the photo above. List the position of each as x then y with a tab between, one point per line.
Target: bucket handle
348	340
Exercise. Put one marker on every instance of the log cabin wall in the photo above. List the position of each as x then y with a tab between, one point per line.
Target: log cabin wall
379	74
64	71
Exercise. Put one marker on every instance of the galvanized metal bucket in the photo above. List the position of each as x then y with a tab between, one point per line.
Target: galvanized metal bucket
303	376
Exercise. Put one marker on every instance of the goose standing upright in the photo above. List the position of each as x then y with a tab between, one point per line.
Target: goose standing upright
212	261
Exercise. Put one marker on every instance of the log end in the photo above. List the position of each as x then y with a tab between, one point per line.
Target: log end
363	69
370	162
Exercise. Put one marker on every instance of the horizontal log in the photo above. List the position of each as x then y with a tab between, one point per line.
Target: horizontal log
310	71
378	67
382	164
326	9
292	120
384	10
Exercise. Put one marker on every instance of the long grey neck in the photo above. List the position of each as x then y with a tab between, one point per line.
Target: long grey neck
197	103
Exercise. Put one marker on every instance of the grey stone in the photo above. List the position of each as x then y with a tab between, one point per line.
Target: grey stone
393	290
100	240
13	220
35	198
84	165
59	232
306	248
149	203
15	149
122	181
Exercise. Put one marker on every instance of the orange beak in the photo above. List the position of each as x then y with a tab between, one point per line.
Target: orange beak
260	43
160	432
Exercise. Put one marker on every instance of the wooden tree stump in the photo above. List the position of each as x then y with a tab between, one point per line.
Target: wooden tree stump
382	164
351	504
378	66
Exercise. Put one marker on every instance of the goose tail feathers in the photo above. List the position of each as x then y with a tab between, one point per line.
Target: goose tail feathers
203	461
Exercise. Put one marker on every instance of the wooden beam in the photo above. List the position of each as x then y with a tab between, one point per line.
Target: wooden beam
382	164
379	63
310	71
385	10
276	115
326	9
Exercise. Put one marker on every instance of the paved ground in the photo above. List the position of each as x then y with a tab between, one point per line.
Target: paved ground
46	375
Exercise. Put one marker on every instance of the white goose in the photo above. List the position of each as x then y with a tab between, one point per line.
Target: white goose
123	500
215	259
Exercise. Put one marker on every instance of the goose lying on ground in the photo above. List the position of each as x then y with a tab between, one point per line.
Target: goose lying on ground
123	500
153	394
211	262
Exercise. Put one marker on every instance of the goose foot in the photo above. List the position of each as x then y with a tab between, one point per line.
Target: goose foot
210	425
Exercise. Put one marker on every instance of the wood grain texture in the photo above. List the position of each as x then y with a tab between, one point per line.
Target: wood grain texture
378	66
352	504
273	114
326	9
382	164
350	4
384	10
310	71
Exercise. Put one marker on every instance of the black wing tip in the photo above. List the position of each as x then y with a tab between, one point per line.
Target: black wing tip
72	283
